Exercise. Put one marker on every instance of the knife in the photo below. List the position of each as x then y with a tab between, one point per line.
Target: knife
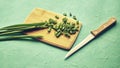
92	35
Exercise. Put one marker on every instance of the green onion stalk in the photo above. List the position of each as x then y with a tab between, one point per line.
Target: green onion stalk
18	37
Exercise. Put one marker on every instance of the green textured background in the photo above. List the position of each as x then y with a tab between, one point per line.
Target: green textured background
103	52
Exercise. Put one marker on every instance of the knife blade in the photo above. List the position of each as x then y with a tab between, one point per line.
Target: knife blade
92	35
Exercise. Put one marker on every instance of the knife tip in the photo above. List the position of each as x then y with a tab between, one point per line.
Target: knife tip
66	57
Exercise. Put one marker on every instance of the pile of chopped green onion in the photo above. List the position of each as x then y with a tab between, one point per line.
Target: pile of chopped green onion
64	28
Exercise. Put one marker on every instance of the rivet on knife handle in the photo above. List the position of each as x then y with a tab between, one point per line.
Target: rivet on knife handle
104	26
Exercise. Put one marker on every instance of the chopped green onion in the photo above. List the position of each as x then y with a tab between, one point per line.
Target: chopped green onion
74	17
77	22
64	20
51	21
49	29
58	33
56	17
64	14
67	35
70	14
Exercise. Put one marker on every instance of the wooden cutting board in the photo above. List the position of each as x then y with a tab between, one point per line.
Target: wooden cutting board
40	15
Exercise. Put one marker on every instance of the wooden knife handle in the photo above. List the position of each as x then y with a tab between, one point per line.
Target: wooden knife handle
104	26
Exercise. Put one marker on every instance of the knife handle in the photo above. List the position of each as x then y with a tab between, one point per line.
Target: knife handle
104	26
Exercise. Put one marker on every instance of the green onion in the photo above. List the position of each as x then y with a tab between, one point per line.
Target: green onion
56	17
58	33
20	28
23	25
18	37
70	14
77	22
51	21
67	35
64	14
64	20
49	29
74	17
9	32
65	27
